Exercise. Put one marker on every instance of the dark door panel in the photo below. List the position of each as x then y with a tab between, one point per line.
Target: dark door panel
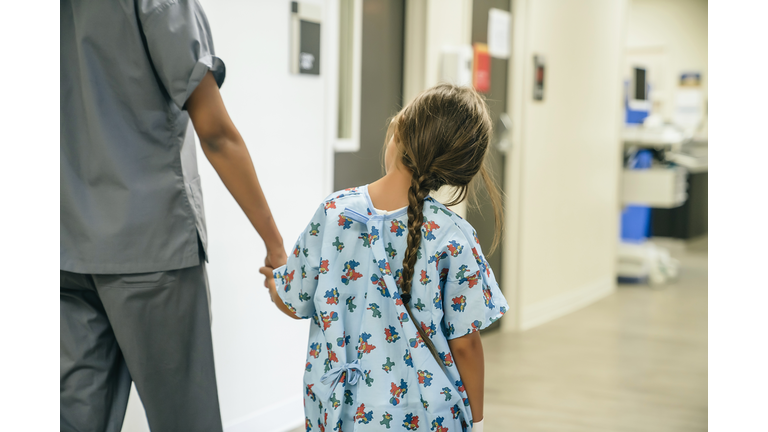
381	91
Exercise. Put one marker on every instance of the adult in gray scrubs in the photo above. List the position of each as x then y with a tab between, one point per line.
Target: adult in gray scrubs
134	291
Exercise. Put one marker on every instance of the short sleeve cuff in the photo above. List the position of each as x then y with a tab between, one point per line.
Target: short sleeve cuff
477	325
284	295
208	63
279	275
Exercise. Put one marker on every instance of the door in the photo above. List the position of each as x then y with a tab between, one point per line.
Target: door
381	88
481	217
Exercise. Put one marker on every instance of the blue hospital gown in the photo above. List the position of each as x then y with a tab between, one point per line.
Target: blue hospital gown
367	367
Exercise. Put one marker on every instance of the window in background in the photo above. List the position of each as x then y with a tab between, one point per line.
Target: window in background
350	44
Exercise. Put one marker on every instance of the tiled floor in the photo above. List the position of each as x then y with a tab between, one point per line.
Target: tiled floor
634	361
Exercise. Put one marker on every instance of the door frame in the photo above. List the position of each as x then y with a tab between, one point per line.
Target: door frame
519	75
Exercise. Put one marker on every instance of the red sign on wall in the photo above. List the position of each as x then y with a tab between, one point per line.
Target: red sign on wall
481	68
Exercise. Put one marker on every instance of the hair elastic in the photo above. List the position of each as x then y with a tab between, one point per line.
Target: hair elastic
406	298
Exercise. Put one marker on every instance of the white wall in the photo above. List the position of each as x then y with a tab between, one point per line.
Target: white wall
563	204
678	30
259	352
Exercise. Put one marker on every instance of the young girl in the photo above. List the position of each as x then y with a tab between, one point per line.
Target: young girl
397	284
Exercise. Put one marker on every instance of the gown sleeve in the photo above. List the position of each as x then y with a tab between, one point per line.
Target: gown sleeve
472	299
296	281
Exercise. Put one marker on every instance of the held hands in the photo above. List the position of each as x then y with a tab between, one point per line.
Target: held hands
275	258
269	281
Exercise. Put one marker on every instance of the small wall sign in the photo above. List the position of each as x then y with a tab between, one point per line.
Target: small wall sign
305	38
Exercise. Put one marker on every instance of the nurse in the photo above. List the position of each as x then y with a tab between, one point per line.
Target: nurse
134	293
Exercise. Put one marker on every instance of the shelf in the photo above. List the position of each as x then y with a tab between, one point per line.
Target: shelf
654	187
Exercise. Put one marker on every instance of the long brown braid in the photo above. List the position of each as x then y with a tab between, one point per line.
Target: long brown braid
442	137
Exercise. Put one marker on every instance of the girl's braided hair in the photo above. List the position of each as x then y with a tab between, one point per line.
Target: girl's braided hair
442	137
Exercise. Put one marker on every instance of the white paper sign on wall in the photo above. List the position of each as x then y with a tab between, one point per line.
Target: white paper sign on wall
499	22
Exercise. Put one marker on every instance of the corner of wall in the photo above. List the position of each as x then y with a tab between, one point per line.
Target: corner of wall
510	283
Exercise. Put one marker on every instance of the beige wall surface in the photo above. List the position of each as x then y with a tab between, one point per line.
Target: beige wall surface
564	171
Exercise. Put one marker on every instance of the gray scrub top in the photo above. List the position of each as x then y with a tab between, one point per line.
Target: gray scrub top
130	192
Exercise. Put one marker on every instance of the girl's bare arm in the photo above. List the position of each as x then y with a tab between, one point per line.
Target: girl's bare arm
468	356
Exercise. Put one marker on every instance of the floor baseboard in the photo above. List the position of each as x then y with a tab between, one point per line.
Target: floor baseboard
563	304
279	417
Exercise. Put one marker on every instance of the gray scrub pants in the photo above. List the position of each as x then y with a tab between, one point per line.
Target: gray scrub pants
149	328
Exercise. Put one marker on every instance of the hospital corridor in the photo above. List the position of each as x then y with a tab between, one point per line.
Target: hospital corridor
403	215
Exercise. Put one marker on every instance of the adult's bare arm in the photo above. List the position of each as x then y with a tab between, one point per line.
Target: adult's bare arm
226	150
468	355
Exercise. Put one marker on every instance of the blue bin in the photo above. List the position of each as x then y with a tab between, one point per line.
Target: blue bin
636	220
635	223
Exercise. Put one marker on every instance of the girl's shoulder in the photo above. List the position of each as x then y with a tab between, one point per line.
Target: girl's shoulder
439	220
346	194
439	217
332	208
354	198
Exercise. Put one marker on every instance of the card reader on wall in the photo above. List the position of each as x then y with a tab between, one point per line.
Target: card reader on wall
539	66
305	38
456	67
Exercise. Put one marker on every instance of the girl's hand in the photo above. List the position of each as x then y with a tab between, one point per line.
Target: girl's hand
269	281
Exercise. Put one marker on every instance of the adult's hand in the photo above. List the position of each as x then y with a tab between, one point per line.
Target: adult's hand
226	150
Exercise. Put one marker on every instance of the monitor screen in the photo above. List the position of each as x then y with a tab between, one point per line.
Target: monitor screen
640	86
